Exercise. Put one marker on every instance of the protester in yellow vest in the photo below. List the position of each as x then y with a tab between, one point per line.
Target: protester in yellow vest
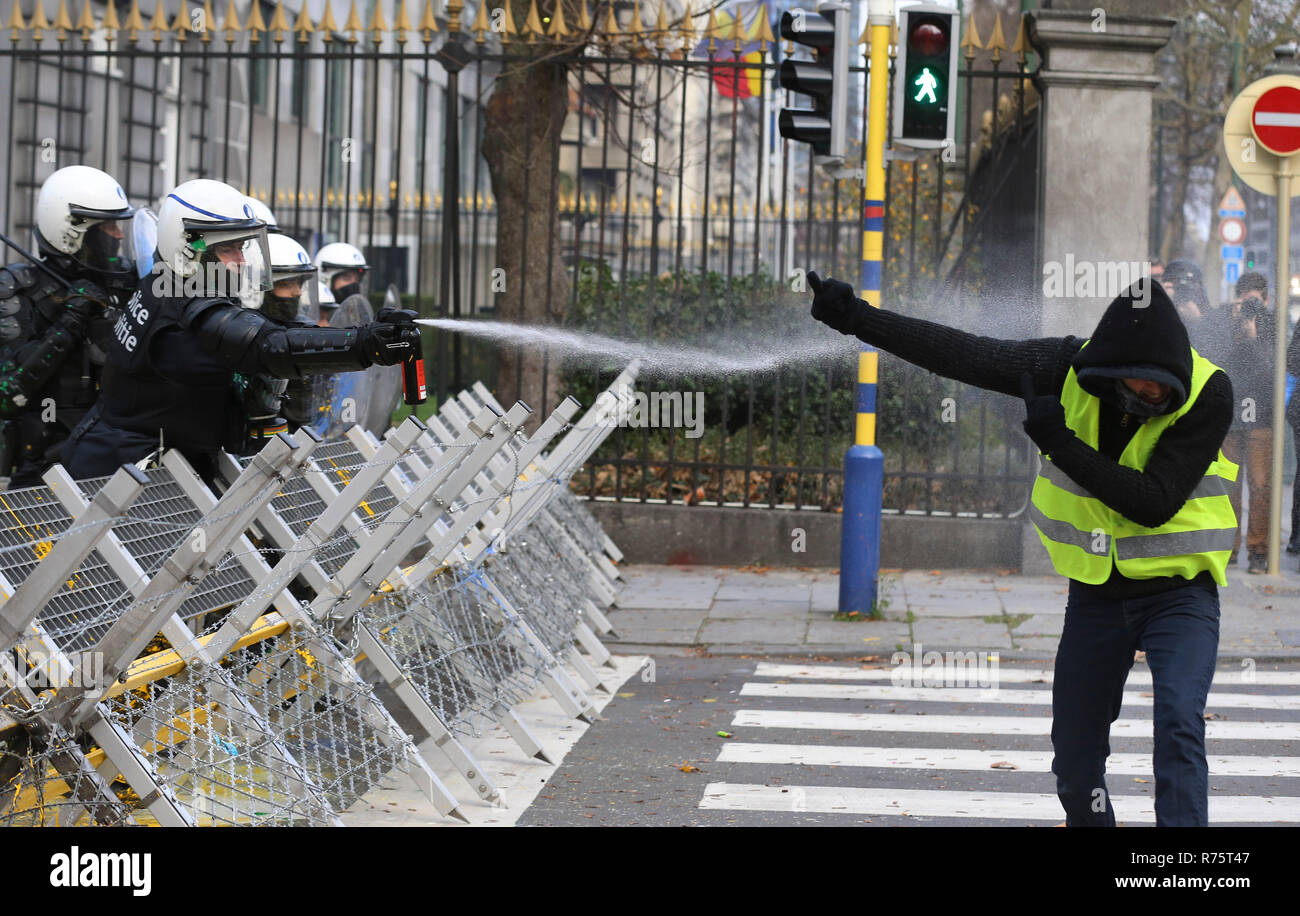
1132	505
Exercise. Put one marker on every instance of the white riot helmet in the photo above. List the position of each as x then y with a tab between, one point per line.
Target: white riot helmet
263	212
74	201
290	266
207	236
339	257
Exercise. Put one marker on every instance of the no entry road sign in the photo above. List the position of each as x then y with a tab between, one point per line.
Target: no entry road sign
1275	120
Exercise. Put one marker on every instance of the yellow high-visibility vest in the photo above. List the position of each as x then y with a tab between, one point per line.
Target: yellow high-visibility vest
1084	536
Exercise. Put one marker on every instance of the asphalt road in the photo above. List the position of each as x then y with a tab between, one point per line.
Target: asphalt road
839	744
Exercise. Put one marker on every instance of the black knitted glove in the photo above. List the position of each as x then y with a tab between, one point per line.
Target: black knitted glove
1044	417
835	305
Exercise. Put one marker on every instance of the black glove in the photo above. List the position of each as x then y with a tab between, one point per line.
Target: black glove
86	303
1044	417
389	342
834	304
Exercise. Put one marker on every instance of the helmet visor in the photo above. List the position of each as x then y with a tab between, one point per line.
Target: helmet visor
108	248
238	255
144	239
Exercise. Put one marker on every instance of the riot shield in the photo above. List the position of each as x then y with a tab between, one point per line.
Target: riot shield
342	399
385	382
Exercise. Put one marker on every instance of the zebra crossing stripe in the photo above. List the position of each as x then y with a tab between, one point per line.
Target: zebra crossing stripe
931	758
981	694
992	725
1011	675
952	804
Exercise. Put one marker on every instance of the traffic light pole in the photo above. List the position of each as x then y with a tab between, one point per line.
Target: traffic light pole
864	464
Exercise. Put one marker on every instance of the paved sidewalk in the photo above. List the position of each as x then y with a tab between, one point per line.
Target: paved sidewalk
743	611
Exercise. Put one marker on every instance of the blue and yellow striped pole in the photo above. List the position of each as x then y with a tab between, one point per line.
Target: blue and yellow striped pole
864	464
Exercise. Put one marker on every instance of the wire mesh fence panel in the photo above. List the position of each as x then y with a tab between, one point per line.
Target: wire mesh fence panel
221	767
324	715
160	521
526	582
75	618
33	793
466	663
577	520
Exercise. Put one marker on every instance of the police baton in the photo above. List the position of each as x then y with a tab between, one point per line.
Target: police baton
37	263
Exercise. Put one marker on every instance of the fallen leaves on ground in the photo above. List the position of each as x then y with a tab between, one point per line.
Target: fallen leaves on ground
687	768
1003	765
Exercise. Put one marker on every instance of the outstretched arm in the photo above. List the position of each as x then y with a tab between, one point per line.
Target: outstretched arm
985	362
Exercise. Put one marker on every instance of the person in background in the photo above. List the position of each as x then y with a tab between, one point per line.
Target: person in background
1250	441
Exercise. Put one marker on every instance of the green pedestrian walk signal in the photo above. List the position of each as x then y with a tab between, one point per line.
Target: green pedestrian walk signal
925	82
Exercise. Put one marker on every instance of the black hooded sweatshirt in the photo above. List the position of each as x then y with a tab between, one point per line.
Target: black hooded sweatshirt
1132	340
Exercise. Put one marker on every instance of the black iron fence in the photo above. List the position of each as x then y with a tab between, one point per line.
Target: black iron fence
548	163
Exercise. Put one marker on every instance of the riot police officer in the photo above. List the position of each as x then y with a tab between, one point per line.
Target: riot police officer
184	351
49	369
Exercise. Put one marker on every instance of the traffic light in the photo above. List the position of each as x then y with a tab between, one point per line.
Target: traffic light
925	80
825	78
1250	259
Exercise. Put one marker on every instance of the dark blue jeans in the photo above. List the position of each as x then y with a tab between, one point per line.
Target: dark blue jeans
1179	631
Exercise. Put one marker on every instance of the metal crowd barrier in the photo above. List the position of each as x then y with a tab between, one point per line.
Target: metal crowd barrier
178	656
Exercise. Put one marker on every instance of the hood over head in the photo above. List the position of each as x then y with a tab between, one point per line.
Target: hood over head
1139	336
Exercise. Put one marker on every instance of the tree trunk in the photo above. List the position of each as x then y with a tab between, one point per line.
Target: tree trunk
522	125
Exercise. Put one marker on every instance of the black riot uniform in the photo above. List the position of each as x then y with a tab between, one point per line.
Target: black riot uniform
179	369
51	356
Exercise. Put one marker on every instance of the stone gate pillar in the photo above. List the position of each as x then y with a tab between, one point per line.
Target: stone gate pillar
1098	75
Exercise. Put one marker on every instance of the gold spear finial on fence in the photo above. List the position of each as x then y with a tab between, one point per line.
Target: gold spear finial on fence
584	17
182	24
507	23
229	23
111	25
610	32
255	25
401	22
533	23
134	21
327	26
62	21
661	26
636	29
711	29
765	36
158	24
280	22
209	23
737	35
86	21
558	27
38	23
302	25
480	25
1021	46
428	22
353	24
454	9
971	40
997	43
893	39
15	23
